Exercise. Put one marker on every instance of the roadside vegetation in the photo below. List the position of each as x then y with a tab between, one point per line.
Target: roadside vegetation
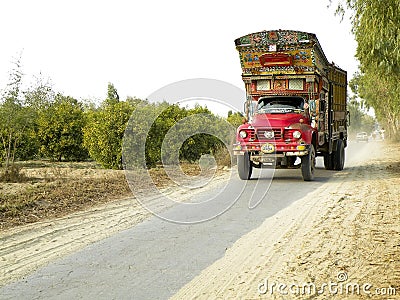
376	28
360	120
59	154
39	123
48	189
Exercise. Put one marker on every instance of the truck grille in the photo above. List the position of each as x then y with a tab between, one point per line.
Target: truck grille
252	135
262	134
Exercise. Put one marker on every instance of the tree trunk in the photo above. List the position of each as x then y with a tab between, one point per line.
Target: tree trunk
8	152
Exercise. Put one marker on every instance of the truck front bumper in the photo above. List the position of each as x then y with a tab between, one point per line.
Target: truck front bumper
271	149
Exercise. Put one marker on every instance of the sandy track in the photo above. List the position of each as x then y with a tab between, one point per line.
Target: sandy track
347	227
26	248
29	247
346	233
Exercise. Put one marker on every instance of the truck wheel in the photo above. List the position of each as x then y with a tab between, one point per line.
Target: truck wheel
328	161
245	167
308	165
339	156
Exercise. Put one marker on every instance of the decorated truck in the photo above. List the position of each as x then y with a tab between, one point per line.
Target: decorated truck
296	104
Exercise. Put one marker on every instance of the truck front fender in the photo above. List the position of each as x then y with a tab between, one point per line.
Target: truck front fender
306	130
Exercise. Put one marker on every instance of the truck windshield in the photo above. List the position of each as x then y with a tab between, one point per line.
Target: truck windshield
280	105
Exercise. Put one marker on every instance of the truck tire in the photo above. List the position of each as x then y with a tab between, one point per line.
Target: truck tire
308	165
339	156
328	161
245	168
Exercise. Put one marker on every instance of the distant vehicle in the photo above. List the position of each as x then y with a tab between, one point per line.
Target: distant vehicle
362	137
377	135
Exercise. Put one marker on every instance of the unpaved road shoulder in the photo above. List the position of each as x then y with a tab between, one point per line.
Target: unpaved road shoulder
27	248
346	233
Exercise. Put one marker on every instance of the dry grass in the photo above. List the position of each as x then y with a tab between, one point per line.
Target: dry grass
12	174
56	189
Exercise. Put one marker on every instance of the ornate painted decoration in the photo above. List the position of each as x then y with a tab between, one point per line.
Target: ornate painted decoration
280	51
276	59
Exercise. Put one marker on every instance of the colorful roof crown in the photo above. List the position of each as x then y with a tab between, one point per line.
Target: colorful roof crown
264	38
281	51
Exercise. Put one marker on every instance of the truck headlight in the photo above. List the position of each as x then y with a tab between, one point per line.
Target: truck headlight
243	134
296	134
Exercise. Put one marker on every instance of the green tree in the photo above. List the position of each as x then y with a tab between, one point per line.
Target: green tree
381	93
168	134
203	142
168	116
235	118
112	94
40	94
37	98
105	128
200	132
141	141
59	129
360	121
15	117
356	115
376	27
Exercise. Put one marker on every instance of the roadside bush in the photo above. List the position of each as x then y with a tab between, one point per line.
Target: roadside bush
222	156
104	131
59	130
12	174
111	133
177	134
235	118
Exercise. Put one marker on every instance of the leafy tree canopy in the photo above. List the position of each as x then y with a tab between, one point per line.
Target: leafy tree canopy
376	27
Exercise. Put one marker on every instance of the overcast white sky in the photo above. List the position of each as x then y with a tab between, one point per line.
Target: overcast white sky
141	46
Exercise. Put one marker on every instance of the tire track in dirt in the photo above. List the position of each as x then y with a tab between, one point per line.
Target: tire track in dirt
32	246
27	248
257	254
348	227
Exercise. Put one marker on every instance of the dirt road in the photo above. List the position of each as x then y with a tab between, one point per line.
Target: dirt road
341	240
341	237
27	248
